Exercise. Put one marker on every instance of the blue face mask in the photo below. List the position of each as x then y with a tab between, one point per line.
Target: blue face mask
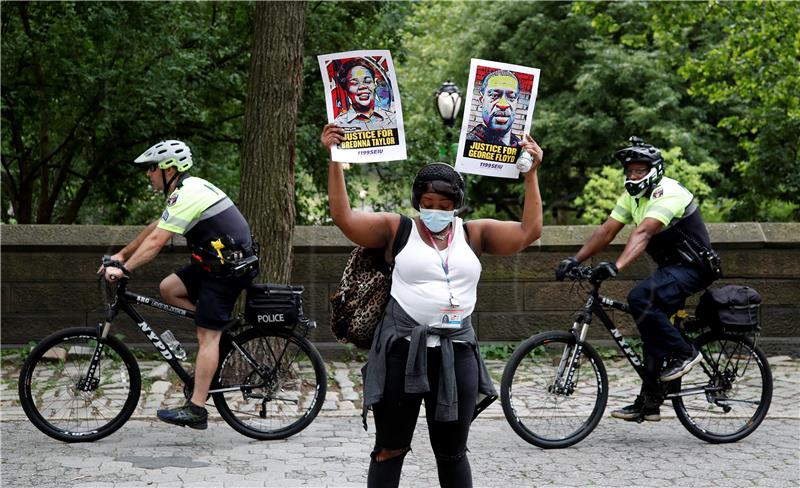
436	220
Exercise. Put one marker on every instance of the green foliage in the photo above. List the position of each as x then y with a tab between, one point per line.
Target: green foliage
610	352
17	355
354	355
87	86
600	194
744	60
497	351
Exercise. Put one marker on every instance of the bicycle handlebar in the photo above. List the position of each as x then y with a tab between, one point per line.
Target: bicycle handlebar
585	273
580	273
113	263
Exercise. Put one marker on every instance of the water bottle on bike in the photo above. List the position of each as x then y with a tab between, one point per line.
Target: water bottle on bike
169	339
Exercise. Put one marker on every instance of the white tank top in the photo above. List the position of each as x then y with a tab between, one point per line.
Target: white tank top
419	284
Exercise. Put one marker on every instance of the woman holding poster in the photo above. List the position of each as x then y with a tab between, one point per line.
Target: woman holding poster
425	346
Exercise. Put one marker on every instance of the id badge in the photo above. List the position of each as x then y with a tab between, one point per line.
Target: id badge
451	318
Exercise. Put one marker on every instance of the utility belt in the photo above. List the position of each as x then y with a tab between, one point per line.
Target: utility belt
225	259
705	260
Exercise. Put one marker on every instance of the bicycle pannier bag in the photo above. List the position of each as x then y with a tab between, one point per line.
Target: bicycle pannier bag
731	308
358	303
270	304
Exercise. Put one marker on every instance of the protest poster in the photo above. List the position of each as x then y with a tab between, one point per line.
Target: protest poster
498	113
362	97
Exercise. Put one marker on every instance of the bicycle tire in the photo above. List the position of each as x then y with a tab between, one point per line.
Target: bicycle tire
740	369
543	418
49	386
282	402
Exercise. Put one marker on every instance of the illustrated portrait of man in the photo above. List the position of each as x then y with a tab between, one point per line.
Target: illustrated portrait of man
498	98
357	77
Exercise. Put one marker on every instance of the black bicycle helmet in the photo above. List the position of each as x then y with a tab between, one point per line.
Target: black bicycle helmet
640	152
438	178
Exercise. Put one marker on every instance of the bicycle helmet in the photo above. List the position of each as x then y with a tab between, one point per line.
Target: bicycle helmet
640	152
438	178
167	154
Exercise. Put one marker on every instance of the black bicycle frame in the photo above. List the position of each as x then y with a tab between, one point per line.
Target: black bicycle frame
125	301
596	305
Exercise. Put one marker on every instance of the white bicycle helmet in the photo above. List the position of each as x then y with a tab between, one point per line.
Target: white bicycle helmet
167	154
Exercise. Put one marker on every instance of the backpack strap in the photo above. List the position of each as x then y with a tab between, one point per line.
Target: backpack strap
401	238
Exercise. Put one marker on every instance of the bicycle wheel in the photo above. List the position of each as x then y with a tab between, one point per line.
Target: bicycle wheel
540	404
58	398
281	394
726	396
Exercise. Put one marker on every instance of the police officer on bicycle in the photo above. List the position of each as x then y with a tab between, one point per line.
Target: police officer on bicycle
670	228
218	236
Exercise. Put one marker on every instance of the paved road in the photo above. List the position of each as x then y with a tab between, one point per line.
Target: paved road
334	450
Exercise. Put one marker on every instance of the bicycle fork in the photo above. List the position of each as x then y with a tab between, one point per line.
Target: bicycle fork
562	383
90	382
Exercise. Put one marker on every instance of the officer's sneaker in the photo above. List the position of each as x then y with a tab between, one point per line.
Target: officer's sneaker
638	412
189	415
679	365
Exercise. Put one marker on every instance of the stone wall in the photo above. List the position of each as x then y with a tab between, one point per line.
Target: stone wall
48	280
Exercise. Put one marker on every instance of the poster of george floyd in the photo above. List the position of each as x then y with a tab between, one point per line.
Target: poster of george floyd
498	114
362	97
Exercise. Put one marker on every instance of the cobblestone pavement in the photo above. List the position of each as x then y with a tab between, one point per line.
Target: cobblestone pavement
334	450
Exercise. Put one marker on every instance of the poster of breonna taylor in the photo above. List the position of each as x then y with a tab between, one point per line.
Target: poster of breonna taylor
362	97
498	114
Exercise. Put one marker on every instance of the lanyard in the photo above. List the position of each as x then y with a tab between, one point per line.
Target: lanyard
445	262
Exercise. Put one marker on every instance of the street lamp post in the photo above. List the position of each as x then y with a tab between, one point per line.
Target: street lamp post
447	101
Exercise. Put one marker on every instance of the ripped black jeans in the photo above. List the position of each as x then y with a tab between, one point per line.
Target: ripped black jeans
396	416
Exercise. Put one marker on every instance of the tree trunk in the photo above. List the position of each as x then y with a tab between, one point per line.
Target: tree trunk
268	152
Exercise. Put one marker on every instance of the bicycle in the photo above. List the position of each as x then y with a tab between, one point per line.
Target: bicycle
555	386
82	384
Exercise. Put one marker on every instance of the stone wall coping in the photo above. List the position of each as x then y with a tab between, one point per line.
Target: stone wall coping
554	237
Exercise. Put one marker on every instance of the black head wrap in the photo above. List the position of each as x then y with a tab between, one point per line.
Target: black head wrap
438	178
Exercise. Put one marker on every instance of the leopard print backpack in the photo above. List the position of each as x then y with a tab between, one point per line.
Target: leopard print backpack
362	295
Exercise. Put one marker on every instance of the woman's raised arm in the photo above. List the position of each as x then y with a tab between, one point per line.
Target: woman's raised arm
368	229
506	238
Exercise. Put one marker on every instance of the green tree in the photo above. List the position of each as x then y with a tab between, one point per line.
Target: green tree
602	80
743	58
87	86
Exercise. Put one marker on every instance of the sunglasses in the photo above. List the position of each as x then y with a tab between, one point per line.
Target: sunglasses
636	171
152	167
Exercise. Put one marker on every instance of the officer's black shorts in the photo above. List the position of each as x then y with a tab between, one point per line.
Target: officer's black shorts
213	297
